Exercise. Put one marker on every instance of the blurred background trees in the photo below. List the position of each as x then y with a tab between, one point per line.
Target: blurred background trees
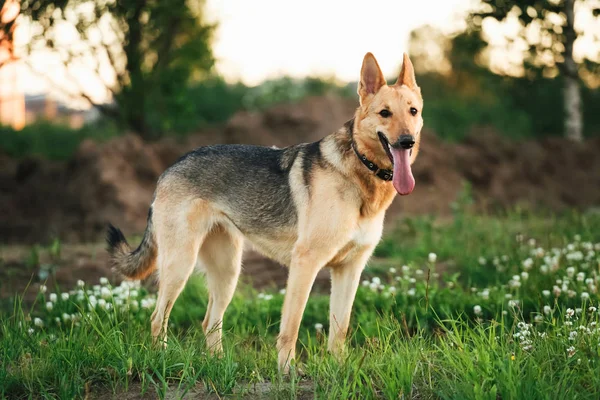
153	59
153	50
547	28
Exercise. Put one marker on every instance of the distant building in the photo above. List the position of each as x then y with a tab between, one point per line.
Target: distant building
42	107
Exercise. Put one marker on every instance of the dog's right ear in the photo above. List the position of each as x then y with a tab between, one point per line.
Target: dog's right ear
371	78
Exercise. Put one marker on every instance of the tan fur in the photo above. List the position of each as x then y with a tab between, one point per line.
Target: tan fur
339	233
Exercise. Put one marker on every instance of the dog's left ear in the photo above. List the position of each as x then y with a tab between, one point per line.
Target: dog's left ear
407	74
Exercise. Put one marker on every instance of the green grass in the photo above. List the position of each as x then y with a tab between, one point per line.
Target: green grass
490	313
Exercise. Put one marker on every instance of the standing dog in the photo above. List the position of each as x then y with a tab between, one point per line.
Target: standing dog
306	206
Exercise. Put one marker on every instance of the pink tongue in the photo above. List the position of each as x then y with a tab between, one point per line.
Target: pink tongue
403	180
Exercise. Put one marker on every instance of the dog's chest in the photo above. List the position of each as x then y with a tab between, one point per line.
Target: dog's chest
364	238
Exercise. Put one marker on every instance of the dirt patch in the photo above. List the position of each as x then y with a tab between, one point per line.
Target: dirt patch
260	390
114	182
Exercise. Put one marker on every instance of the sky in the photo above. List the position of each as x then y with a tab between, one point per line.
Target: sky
260	39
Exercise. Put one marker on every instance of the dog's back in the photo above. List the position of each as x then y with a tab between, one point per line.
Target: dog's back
250	183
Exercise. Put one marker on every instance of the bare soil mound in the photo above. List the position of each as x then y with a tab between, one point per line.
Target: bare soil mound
114	181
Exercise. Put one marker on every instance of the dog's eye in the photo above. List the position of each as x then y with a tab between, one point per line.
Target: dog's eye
385	113
413	111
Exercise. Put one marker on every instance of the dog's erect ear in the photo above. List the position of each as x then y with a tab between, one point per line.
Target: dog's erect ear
371	78
407	74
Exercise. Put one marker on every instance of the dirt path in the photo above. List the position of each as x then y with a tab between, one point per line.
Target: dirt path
261	390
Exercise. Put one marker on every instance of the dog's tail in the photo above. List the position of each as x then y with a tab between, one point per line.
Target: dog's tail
136	264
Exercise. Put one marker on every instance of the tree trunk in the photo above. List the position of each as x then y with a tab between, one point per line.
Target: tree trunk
571	92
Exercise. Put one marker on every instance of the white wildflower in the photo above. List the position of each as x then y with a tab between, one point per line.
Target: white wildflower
64	296
556	290
528	263
49	306
53	297
570	272
105	292
66	317
43	288
319	327
432	257
477	310
374	286
38	322
268	297
570	312
481	261
282	291
524	275
376	280
546	293
547	310
544	269
30	331
392	289
80	283
585	296
485	294
538	318
580	276
592	309
392	270
103	281
411	292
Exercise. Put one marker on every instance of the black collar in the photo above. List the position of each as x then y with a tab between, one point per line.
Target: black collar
384	174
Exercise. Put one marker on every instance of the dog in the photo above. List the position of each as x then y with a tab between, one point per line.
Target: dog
307	206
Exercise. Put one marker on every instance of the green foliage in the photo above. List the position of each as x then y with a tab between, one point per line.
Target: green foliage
55	142
155	50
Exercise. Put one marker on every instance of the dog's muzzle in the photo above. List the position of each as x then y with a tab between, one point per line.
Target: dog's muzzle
405	142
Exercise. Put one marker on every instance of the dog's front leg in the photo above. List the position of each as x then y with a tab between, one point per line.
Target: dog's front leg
307	260
344	283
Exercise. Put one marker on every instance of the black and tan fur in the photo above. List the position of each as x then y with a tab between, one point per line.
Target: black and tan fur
308	206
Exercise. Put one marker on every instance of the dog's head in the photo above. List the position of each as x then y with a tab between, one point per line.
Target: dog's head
388	122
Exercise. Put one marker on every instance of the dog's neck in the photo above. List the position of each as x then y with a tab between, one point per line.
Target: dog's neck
377	193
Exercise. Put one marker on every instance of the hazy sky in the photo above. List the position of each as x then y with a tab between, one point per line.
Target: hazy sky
258	39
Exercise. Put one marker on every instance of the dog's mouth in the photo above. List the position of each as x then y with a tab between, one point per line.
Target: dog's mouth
399	154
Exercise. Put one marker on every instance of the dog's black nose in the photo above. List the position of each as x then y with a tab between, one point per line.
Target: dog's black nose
406	141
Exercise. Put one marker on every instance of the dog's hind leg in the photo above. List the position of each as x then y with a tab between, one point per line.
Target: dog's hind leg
221	256
179	234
